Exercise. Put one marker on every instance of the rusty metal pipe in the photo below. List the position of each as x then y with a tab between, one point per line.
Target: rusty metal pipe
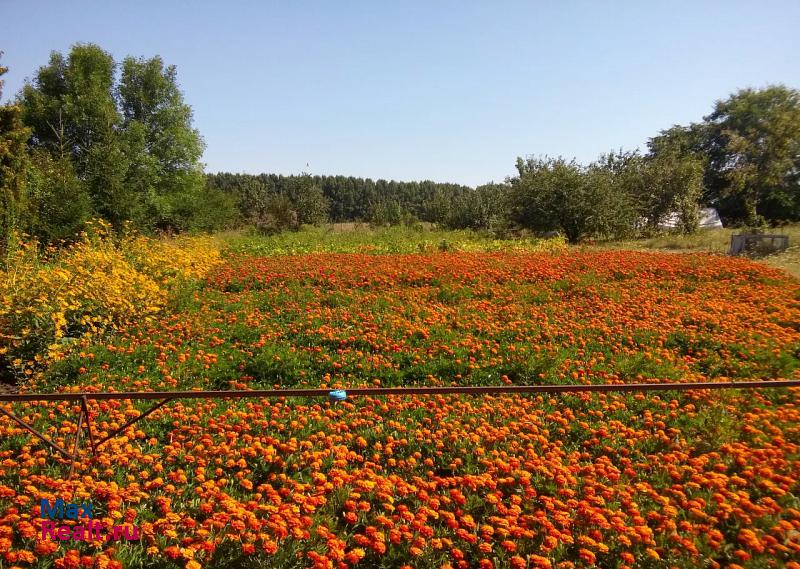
34	432
85	409
381	391
78	434
132	421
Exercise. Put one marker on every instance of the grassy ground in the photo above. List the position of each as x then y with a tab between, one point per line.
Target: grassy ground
361	238
718	241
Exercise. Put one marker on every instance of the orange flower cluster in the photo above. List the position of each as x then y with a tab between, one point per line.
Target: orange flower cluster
625	480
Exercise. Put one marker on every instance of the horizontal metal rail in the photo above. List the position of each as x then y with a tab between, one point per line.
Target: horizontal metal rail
378	391
164	397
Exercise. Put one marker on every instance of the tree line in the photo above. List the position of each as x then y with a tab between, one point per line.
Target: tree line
321	199
91	137
742	159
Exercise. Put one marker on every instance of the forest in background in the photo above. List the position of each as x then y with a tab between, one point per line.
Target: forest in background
89	137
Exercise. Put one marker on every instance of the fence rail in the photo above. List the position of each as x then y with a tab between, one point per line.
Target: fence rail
360	391
164	397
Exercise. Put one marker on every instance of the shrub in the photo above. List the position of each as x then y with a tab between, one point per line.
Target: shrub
97	284
168	261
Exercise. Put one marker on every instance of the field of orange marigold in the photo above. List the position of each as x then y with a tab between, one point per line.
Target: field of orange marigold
683	479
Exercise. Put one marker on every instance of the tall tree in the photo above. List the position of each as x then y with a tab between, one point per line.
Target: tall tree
163	147
681	140
543	196
309	201
754	144
673	185
13	167
72	112
556	194
750	148
131	143
70	105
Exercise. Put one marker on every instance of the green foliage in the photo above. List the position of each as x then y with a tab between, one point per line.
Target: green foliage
618	196
750	149
611	207
70	106
116	140
277	214
13	164
673	184
130	142
270	207
664	185
59	202
554	194
382	240
542	186
309	201
105	176
163	147
347	198
211	210
481	208
754	144
680	140
388	212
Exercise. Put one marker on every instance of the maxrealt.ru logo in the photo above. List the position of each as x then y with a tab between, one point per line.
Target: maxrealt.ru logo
89	530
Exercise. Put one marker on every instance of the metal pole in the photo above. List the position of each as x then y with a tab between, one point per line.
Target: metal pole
134	420
380	391
167	396
85	409
34	432
78	434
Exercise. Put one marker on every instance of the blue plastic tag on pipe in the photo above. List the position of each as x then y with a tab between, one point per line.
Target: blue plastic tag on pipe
338	395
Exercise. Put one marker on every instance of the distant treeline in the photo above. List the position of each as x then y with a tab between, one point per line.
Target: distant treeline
342	198
91	137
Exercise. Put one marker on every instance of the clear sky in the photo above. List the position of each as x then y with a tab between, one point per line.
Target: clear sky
448	91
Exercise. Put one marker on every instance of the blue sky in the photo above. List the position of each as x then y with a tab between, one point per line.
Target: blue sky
448	91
